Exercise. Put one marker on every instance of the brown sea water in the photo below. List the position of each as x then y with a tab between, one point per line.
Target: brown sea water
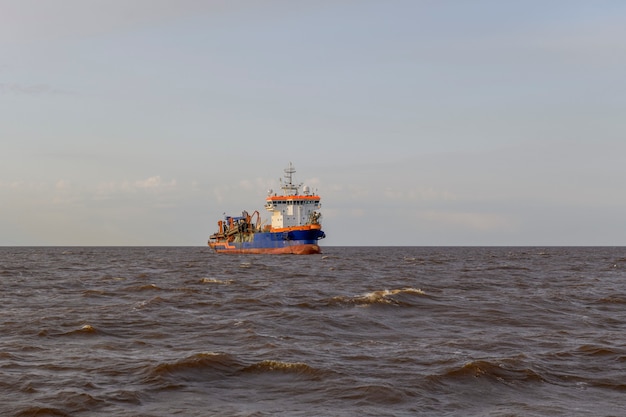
355	331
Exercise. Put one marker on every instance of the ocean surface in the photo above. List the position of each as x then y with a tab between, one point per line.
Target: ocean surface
355	331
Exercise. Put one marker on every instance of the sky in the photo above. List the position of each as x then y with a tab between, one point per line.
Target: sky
418	122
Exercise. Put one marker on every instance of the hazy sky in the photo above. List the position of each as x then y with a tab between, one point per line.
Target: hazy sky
419	122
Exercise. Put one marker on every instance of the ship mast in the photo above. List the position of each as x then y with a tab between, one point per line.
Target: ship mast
288	187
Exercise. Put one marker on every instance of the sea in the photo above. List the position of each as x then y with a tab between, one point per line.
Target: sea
354	331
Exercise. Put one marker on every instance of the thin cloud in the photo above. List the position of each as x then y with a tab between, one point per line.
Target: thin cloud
33	90
418	194
154	183
22	185
62	185
22	89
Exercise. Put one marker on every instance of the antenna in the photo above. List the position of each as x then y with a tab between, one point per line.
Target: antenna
289	188
289	171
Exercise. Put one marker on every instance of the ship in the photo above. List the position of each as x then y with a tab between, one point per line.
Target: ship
295	226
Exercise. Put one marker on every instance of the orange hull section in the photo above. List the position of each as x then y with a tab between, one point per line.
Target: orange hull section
287	250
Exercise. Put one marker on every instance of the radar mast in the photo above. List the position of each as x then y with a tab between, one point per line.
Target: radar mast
288	186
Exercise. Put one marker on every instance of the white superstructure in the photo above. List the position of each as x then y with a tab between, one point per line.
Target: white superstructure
292	209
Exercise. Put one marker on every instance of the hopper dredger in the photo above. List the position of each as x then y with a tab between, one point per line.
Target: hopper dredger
295	224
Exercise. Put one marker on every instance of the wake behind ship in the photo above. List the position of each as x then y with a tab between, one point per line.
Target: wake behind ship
295	224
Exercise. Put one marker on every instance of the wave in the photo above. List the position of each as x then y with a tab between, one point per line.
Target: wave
584	366
96	293
87	328
73	402
217	366
601	351
393	297
203	364
378	394
514	372
7	355
216	281
145	287
84	330
509	371
125	396
613	299
621	387
273	366
586	351
36	411
151	302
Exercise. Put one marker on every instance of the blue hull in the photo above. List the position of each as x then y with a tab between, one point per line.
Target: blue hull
296	241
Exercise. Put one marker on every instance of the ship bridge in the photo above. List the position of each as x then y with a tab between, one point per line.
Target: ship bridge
293	209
